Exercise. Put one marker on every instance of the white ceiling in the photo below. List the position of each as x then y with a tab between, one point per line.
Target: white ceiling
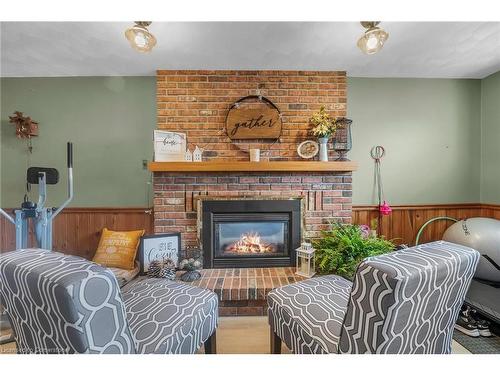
414	49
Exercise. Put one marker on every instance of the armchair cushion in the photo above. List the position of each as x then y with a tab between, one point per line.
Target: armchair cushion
308	315
169	317
125	276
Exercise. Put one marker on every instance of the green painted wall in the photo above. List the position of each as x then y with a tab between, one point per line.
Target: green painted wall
109	119
430	128
490	147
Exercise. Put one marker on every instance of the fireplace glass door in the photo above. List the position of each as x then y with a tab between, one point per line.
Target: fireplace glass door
251	237
250	233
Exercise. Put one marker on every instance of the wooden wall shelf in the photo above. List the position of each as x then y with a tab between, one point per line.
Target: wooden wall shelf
248	166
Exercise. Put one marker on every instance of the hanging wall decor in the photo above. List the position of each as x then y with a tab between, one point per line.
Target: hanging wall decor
253	117
377	153
25	126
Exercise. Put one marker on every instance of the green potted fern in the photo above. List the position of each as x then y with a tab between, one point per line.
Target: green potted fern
341	248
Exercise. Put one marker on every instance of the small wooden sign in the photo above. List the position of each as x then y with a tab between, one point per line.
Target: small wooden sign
256	120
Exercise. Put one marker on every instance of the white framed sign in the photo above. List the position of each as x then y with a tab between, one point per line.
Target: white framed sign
159	247
169	146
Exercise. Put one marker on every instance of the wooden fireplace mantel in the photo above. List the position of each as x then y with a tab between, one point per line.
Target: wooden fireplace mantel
248	166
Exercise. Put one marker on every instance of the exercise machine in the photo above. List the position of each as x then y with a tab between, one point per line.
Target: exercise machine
482	234
42	217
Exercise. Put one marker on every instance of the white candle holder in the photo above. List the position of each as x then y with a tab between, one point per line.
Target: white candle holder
254	154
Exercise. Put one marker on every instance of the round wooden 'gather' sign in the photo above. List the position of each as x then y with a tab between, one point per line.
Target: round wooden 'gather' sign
253	117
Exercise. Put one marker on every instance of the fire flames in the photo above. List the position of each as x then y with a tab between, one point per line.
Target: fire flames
250	243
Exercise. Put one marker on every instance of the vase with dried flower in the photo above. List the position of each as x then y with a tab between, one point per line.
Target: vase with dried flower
323	127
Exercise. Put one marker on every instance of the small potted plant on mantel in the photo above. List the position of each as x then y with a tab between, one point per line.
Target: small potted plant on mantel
323	127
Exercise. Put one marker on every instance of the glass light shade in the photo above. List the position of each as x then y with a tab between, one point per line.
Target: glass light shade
373	40
140	38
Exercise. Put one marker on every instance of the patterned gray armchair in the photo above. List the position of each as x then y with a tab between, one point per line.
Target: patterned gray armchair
66	304
403	302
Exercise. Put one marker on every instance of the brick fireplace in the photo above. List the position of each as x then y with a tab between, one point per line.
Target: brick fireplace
196	103
326	197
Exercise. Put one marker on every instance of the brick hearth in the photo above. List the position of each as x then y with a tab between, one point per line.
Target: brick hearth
243	291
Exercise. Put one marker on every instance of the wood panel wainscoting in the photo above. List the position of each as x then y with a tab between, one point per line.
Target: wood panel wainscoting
403	224
77	230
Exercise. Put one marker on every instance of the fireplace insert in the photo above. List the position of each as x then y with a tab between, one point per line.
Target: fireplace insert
250	233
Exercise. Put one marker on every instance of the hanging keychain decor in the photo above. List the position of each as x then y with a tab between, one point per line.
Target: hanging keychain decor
377	153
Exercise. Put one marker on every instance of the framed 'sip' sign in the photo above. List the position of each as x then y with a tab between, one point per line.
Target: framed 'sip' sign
253	117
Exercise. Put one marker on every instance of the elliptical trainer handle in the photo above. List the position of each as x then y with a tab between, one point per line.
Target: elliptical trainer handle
70	154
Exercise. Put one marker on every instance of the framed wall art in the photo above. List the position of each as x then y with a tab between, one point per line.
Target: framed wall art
159	247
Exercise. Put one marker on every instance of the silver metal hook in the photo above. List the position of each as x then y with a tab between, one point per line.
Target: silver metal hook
377	152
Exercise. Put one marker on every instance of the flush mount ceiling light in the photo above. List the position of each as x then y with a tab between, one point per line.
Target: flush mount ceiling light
140	38
373	39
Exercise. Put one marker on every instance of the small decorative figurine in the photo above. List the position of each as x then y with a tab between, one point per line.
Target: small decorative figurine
188	155
197	153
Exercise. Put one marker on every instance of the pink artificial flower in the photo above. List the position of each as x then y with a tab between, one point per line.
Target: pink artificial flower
365	230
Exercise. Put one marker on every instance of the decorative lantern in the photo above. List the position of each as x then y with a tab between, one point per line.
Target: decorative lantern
305	260
342	142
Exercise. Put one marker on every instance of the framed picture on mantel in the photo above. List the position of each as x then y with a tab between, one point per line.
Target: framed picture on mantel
169	146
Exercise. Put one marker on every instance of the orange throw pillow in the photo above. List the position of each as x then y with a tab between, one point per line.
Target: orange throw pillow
118	249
